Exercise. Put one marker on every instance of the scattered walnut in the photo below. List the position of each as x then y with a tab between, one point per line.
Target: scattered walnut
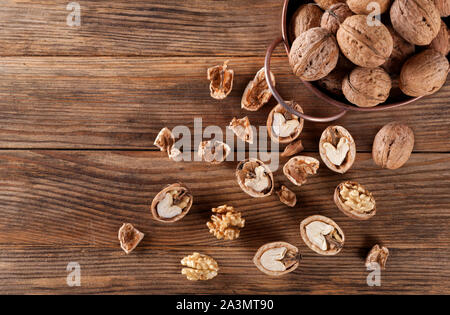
377	256
221	81
335	16
199	267
337	149
293	148
129	237
443	7
326	4
298	168
322	235
441	41
401	51
393	145
213	151
255	178
287	196
306	17
172	203
277	258
165	141
282	126
257	92
242	129
362	6
225	223
354	200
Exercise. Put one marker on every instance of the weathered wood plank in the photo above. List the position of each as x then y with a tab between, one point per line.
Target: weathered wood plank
122	103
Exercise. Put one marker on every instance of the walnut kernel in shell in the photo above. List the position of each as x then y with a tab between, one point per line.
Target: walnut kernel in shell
242	129
337	149
298	168
129	237
257	92
277	258
213	151
366	6
199	267
306	17
335	16
282	126
255	178
225	223
322	235
287	196
377	256
354	200
221	81
172	203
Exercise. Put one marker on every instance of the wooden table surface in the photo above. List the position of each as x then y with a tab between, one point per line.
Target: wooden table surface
80	108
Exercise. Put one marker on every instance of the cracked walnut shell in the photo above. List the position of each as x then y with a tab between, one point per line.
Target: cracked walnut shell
326	4
199	267
165	141
282	126
293	148
337	149
306	17
255	178
257	92
221	81
335	16
172	203
225	223
129	237
298	168
377	256
242	129
213	151
366	7
354	200
287	196
277	258
322	235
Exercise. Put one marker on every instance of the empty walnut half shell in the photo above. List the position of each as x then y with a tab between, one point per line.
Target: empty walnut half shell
172	203
257	92
129	237
213	151
255	178
282	126
221	81
287	196
378	255
277	258
242	129
322	235
299	167
354	200
337	149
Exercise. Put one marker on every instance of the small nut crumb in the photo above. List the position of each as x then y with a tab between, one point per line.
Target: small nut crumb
213	151
354	200
299	167
322	235
242	129
172	203
257	92
377	256
287	196
293	148
199	267
277	258
129	237
221	81
225	223
254	178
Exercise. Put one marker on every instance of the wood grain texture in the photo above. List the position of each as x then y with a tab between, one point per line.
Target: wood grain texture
122	103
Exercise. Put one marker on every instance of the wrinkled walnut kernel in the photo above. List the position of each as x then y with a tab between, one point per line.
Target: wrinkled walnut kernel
322	235
287	196
199	267
129	237
377	257
225	223
277	258
298	168
255	178
213	151
221	81
242	129
354	200
257	92
282	126
172	203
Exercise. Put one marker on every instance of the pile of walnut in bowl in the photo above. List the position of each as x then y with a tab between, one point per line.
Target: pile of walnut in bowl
354	56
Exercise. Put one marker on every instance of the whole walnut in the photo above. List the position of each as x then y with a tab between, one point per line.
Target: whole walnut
402	50
393	145
441	41
443	7
363	44
326	4
307	16
362	6
367	87
314	54
417	21
334	16
424	73
333	82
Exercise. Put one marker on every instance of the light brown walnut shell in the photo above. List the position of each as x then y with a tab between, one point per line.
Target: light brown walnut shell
288	117
424	73
213	151
334	244
129	237
314	54
335	16
307	16
257	92
354	200
181	196
242	129
221	81
441	42
293	148
298	168
367	87
277	258
287	196
400	53
417	21
393	145
378	255
337	146
326	4
362	6
256	186
363	44
443	7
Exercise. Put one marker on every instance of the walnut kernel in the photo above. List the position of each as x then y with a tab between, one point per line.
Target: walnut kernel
282	126
129	237
287	196
172	203
257	92
299	167
322	235
354	200
377	256
337	149
225	223
242	129
221	81
213	151
255	178
199	267
277	258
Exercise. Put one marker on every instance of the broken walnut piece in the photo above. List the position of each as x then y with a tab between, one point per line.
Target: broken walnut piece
257	92
242	129
199	267
165	141
277	258
377	256
322	235
354	200
225	223
337	149
221	81
282	126
172	203
129	237
213	151
287	196
293	148
255	178
299	167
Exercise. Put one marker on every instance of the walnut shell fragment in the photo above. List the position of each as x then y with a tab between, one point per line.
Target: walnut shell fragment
242	129
354	200
257	92
277	258
314	54
335	16
322	235
363	44
306	17
282	126
129	237
293	148
443	7
367	6
213	151
255	178
199	267
225	223
165	141
172	203
337	149
287	196
221	81
441	42
393	145
298	168
377	257
326	4
401	51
